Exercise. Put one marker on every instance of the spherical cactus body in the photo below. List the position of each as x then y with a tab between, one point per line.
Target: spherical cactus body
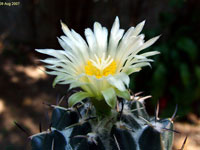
128	127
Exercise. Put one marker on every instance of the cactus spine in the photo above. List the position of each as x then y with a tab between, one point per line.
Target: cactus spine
128	127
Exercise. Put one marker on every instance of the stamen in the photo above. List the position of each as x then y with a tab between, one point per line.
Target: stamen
107	59
98	61
103	58
108	63
94	63
101	66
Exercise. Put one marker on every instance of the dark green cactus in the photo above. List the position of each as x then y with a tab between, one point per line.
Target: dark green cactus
128	127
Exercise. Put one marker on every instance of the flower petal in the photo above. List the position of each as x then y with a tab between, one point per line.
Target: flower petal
149	43
139	65
115	36
147	54
69	65
138	29
63	44
131	70
123	94
124	77
75	41
91	40
62	77
117	82
77	97
110	97
101	35
51	52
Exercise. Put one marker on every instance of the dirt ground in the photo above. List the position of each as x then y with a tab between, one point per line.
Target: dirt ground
23	89
190	130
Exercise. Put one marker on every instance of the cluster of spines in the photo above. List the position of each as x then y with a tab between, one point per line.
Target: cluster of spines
132	129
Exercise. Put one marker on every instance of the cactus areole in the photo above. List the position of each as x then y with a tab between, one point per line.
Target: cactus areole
102	115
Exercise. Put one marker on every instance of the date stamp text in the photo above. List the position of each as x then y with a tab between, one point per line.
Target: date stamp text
9	3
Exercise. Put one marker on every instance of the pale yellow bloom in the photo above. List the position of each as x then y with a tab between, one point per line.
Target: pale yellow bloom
100	66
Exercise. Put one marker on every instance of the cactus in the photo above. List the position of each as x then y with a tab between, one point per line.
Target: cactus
102	116
128	127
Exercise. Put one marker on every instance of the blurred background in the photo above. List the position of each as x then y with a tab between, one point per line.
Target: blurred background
174	78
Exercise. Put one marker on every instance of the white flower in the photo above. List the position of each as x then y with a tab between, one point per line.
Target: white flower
101	66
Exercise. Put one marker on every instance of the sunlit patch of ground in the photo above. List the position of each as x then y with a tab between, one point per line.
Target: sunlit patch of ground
24	89
34	73
192	131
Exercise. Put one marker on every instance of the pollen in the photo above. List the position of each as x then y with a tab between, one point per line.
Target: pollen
100	67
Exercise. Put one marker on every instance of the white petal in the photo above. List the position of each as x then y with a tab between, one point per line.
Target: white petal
116	82
115	26
115	36
101	34
97	31
139	65
135	68
63	44
147	54
75	54
58	63
53	72
61	78
149	43
68	68
128	43
138	29
63	56
114	42
68	81
124	77
105	39
81	44
55	53
127	51
139	57
135	62
66	30
75	41
91	40
128	33
131	70
50	60
141	60
130	47
71	54
57	69
79	39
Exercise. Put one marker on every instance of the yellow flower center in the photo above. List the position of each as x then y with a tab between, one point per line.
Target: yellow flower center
100	67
